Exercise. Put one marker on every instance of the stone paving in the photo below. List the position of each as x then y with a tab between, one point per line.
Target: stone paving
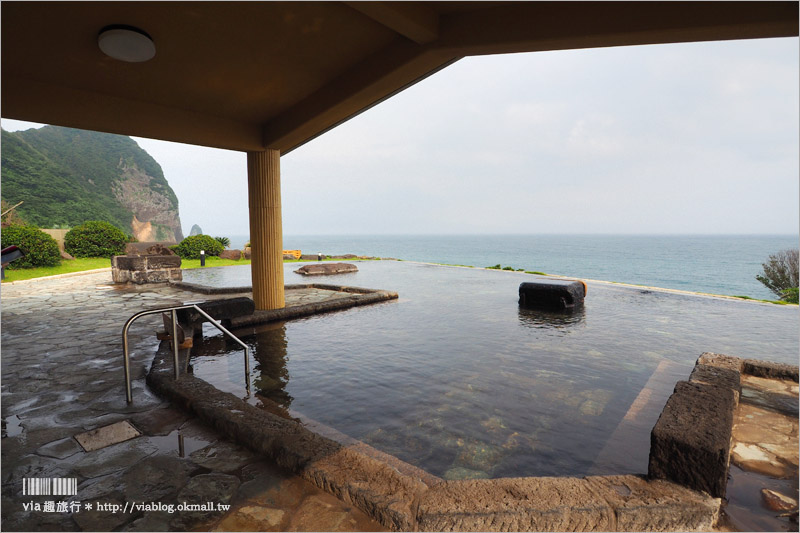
62	374
763	483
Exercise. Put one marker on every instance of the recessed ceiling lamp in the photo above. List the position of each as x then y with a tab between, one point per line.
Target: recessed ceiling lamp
126	43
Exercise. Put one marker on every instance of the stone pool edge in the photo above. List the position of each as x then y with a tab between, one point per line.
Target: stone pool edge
405	502
618	284
359	296
690	443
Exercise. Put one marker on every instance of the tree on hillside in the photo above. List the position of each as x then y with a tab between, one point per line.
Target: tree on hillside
10	215
781	274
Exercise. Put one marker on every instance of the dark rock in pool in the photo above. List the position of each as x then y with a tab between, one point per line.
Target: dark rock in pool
325	269
556	294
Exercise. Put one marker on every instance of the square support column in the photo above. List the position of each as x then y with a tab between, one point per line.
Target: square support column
266	228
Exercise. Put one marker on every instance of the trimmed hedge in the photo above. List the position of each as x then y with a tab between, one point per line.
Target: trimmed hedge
40	249
95	239
189	248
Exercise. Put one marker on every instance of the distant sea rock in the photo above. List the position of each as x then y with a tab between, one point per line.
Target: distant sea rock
196	230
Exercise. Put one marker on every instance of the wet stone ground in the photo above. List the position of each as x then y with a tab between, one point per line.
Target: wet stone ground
763	487
62	375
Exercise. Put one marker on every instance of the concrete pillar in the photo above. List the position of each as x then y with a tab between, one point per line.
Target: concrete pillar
266	229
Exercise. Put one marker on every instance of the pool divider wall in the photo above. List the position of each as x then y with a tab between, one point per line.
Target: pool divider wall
690	443
373	486
405	502
594	503
358	296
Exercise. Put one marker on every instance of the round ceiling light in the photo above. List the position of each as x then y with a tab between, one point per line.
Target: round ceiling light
126	43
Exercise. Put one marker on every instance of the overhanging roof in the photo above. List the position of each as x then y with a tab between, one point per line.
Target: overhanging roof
255	75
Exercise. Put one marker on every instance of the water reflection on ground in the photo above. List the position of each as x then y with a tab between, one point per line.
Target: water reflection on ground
455	378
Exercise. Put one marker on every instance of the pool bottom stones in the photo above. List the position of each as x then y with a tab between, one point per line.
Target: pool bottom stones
391	493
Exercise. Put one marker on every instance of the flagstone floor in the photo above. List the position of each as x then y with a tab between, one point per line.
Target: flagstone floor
62	374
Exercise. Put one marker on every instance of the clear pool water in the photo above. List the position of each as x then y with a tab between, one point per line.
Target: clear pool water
455	378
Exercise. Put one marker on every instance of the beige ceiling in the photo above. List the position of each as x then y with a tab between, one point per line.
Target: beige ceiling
255	75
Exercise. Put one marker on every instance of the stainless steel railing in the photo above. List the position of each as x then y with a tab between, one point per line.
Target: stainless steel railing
176	365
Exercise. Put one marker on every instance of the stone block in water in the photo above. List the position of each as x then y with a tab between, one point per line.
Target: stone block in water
555	294
323	269
690	443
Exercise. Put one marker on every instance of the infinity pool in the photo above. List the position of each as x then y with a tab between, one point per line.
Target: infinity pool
455	378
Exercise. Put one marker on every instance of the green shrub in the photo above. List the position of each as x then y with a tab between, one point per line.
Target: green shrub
40	249
781	273
791	295
189	248
95	238
224	241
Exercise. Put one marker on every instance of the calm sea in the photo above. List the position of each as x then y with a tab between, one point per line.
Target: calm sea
718	264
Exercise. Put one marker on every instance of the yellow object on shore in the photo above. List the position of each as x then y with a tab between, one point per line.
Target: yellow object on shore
295	253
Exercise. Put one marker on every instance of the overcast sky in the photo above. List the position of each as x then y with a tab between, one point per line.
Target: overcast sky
681	138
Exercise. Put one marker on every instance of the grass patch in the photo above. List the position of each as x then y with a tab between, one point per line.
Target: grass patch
83	264
66	267
449	264
212	261
535	272
776	302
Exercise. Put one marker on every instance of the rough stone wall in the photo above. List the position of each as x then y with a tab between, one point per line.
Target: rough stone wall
690	444
142	269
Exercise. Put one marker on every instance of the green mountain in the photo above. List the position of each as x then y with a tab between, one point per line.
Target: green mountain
67	176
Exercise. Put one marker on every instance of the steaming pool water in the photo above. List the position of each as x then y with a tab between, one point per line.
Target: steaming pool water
455	378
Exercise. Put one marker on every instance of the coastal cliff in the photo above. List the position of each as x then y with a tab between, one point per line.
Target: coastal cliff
67	176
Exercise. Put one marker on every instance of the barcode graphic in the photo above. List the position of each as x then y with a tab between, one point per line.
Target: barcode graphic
50	486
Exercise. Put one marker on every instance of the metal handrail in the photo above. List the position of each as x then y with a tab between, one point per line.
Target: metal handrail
216	323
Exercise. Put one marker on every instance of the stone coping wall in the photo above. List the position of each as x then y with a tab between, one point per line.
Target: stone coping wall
691	441
403	501
355	296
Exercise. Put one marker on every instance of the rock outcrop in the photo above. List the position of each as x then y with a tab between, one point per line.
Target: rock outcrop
155	218
323	269
67	176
